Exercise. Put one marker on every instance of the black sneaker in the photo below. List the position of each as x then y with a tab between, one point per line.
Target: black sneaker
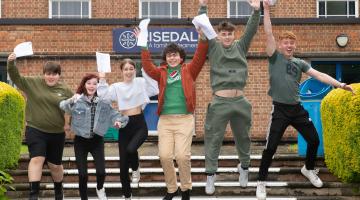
185	195
169	196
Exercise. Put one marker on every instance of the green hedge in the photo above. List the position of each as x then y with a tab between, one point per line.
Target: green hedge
12	107
340	114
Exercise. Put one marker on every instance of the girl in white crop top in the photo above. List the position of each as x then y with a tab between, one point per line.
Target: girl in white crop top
131	97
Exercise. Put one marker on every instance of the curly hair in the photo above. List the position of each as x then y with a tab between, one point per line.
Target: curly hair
174	48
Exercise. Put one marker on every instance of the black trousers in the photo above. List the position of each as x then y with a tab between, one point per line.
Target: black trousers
284	115
131	138
82	146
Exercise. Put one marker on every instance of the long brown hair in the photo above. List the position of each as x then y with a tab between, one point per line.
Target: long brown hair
81	88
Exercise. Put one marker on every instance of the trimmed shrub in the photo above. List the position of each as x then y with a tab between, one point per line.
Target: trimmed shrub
12	116
340	114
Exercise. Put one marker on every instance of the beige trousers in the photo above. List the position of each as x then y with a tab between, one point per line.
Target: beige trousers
175	137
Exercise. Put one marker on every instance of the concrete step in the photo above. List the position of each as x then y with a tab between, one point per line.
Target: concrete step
223	188
198	174
280	160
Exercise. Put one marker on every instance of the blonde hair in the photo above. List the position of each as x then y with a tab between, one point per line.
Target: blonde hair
287	35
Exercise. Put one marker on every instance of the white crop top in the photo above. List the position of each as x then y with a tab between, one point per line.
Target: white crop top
129	95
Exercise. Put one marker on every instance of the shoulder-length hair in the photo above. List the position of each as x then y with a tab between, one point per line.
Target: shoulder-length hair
81	88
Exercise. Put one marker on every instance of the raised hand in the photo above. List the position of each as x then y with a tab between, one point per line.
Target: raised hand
266	4
137	31
203	2
255	4
117	124
11	57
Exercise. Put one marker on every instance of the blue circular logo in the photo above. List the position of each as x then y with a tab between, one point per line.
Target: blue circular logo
127	39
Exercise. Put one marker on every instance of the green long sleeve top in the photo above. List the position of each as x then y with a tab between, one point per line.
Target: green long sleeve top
42	101
228	66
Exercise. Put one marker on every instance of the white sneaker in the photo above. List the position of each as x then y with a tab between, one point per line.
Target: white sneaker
135	177
312	176
128	198
261	190
210	184
244	176
101	194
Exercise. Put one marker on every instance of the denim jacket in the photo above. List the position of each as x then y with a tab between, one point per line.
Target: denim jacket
80	111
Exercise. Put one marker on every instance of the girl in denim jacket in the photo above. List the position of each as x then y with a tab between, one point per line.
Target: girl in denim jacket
91	118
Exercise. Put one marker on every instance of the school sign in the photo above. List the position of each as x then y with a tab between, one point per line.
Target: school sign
124	39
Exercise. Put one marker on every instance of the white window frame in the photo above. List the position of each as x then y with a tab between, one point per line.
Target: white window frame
347	15
141	1
81	17
238	16
0	9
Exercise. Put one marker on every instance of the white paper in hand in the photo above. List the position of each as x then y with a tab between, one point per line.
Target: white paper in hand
103	62
203	22
143	36
23	49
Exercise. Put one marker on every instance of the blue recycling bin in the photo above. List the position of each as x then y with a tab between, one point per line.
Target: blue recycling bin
312	92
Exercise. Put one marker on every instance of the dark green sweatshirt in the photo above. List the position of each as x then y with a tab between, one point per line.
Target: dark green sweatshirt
42	101
228	66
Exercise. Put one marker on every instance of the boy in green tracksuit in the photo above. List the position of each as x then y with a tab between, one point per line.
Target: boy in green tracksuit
228	75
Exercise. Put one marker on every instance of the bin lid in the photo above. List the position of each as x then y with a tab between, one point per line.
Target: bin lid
312	89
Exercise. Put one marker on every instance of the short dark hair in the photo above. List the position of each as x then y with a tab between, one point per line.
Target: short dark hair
52	68
127	60
174	48
226	26
81	88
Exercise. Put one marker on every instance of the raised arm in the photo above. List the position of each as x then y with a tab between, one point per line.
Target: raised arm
147	62
104	91
270	40
67	104
328	80
199	58
203	7
151	86
14	74
251	26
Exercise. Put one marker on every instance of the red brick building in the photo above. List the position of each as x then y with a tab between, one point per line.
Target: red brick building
70	32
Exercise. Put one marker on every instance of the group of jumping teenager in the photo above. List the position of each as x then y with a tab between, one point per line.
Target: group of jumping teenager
173	81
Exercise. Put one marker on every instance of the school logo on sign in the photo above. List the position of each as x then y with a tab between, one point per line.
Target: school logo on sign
127	39
124	39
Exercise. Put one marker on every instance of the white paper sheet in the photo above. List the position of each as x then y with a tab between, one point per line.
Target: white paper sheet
203	22
103	62
143	36
23	49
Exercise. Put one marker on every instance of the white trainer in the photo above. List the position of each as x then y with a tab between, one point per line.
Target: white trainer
244	176
210	184
135	176
101	194
312	176
128	198
261	190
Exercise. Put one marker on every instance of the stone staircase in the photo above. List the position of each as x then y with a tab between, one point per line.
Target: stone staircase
285	180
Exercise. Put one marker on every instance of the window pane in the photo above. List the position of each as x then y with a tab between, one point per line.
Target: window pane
336	8
351	7
55	6
144	9
321	8
160	9
244	8
329	69
351	73
70	8
232	8
174	9
85	9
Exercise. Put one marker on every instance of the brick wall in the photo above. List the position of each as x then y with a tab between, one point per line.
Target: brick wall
130	8
78	44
